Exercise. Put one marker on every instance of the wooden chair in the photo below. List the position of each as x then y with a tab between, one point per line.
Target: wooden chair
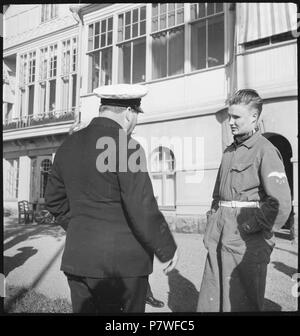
26	211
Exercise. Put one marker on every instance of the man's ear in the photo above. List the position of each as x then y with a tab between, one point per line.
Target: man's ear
128	113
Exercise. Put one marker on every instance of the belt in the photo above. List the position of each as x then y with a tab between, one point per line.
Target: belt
239	204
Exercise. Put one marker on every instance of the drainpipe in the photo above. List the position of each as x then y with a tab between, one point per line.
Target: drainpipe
75	10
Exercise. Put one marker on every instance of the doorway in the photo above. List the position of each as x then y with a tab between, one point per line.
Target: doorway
40	169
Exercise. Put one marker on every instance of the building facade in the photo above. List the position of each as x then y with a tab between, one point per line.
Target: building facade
191	56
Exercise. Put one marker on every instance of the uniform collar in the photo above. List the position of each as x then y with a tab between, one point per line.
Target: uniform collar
248	142
106	122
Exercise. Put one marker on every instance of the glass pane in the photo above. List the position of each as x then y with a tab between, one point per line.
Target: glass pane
162	22
157	188
176	52
171	7
97	28
201	12
120	21
210	8
124	63
159	56
109	38
96	44
52	95
91	30
154	9
143	28
127	18
30	99
90	43
193	12
139	61
110	24
143	13
120	35
215	54
179	5
163	8
170	190
135	30
154	24
198	46
103	26
171	19
135	15
106	67
74	90
103	40
95	70
65	94
127	32
219	7
180	16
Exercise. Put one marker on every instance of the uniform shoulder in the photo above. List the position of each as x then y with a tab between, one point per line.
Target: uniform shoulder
266	147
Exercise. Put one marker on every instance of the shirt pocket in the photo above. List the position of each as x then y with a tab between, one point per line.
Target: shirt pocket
244	176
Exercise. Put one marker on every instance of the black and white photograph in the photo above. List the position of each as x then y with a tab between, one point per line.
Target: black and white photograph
150	159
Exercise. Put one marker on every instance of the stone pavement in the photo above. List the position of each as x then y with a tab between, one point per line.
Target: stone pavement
32	255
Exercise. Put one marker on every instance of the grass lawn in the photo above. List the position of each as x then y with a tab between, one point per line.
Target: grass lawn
22	300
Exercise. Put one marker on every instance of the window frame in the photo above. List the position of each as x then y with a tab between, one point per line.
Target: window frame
48	15
162	150
205	19
130	41
93	52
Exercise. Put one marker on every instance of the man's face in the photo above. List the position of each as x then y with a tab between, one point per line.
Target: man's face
242	119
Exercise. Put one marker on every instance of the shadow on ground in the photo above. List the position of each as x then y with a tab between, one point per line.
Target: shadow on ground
183	295
281	267
271	306
10	263
15	232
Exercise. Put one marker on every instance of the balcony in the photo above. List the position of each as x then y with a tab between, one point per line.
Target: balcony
40	119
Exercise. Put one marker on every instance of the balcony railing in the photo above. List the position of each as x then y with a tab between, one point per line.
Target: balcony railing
39	119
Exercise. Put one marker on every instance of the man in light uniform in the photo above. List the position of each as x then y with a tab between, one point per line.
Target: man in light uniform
251	198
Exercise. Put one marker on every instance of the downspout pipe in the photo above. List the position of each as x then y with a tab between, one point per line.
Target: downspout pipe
75	10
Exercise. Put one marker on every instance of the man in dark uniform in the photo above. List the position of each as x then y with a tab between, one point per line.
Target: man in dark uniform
100	192
251	198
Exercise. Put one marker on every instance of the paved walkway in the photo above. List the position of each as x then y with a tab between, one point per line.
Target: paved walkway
32	255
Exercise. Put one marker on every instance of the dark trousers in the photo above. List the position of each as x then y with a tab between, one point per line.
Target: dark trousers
108	295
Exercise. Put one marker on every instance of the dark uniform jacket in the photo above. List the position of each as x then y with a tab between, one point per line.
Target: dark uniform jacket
113	223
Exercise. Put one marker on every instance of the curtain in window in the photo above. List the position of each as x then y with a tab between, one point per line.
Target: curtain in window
139	61
215	48
159	55
198	45
176	51
124	63
106	67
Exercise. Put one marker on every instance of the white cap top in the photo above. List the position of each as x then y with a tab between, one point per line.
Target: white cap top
121	91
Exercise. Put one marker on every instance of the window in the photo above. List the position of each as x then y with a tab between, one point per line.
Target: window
100	53
163	176
207	35
287	36
27	82
69	75
167	39
132	46
49	12
48	78
12	180
44	170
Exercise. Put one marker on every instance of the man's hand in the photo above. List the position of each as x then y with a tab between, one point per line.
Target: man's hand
172	263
